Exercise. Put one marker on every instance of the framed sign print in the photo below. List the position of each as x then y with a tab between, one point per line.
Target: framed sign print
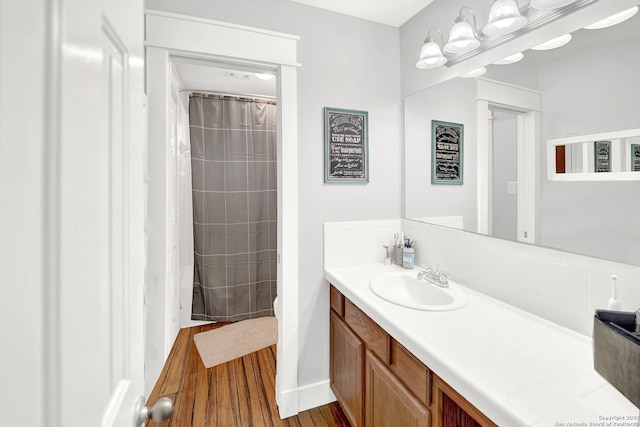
602	156
447	140
635	157
346	146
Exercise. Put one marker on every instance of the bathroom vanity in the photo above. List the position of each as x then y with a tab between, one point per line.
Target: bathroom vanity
378	382
484	364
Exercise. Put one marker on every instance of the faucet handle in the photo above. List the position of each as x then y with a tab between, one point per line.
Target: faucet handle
444	277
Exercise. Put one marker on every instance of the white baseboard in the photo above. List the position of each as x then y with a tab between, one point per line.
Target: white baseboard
314	395
311	396
287	401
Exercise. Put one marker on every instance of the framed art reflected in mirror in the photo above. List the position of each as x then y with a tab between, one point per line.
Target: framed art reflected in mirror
447	141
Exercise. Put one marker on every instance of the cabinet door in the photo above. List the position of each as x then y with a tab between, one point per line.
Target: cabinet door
387	401
347	366
453	410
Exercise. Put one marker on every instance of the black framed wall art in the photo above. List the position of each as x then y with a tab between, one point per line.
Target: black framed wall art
346	146
635	157
447	142
602	156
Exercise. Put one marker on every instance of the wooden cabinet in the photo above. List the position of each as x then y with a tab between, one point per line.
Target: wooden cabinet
378	382
453	410
366	388
413	374
336	301
376	339
347	368
387	400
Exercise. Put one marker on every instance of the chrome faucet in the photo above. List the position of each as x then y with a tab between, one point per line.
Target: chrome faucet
438	278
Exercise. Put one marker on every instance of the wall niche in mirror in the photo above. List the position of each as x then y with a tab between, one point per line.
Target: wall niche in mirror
610	156
588	86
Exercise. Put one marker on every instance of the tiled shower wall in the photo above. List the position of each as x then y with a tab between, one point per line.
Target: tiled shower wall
562	287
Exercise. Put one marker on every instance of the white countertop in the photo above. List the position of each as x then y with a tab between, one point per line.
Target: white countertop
518	369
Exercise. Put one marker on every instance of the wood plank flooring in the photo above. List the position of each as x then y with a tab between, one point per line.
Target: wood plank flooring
237	393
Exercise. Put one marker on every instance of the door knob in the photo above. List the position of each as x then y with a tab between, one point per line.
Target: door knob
159	412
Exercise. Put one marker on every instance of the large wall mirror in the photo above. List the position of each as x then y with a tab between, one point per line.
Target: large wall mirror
589	86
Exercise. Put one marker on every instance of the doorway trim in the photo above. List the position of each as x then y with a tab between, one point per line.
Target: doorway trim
170	34
528	103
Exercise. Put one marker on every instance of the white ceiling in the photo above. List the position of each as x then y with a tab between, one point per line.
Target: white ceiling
390	12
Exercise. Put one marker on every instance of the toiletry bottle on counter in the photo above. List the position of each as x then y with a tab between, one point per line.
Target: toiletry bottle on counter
387	260
408	254
396	251
614	302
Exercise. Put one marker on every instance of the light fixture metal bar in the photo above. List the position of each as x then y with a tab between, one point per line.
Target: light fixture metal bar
533	24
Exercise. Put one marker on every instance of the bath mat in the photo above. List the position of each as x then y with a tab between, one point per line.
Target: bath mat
236	340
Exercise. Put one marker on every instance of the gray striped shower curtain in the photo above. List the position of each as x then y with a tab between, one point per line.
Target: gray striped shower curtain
233	161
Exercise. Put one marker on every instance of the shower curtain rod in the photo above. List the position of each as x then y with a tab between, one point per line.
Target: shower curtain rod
222	93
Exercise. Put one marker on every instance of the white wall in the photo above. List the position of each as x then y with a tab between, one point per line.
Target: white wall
592	217
346	63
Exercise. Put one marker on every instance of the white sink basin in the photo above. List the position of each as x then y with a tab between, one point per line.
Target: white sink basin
403	288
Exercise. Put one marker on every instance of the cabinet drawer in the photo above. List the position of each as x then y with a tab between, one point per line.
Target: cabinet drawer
413	373
373	335
336	300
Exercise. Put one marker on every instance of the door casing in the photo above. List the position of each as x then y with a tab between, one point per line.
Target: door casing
528	102
189	37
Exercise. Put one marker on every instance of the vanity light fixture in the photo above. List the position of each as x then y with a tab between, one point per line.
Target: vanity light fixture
504	18
463	37
431	55
474	73
550	4
613	19
506	22
554	43
511	59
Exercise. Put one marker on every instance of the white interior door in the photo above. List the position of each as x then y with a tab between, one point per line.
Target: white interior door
72	143
101	212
